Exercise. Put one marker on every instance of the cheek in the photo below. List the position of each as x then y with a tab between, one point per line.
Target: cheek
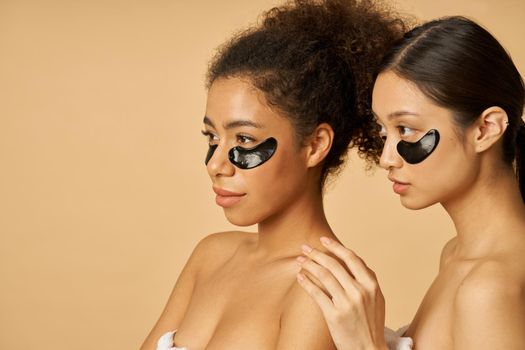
275	184
273	177
270	187
444	173
445	157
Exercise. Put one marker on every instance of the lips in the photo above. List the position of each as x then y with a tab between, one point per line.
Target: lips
226	198
399	187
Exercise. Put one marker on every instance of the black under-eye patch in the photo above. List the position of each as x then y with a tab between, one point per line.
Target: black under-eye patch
416	152
211	150
249	158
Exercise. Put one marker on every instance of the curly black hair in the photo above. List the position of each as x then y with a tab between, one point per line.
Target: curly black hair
315	62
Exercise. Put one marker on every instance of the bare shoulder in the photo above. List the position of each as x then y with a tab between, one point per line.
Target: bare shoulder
491	279
500	274
302	323
447	251
489	304
218	247
224	242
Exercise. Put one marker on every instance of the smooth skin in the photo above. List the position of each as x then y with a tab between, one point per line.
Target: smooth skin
477	300
238	290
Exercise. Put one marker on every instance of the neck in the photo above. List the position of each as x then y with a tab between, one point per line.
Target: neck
302	222
491	209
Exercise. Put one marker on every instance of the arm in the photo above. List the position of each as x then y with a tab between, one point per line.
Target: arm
348	295
489	311
302	324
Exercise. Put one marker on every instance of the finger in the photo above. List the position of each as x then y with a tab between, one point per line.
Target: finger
325	303
326	278
345	279
349	304
353	262
314	280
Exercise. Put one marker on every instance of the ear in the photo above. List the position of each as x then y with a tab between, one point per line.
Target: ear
490	128
319	144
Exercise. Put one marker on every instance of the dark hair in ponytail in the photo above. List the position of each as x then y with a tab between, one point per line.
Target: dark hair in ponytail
520	158
462	67
315	63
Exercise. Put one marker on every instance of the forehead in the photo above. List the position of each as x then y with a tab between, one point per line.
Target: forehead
233	99
394	96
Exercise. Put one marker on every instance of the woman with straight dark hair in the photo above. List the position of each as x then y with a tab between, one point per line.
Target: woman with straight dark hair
448	101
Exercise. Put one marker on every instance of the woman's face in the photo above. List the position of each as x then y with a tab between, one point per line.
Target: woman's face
404	113
237	115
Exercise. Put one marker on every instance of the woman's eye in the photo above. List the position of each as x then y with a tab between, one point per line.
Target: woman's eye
211	137
244	139
381	131
405	131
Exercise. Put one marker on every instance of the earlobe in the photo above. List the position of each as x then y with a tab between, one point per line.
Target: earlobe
491	126
319	144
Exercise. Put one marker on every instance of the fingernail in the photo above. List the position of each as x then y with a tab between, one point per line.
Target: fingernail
325	240
300	277
301	259
307	249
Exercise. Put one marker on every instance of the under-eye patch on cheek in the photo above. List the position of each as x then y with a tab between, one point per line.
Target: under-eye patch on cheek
211	150
416	152
249	158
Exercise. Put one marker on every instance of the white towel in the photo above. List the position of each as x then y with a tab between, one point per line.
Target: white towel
396	341
166	342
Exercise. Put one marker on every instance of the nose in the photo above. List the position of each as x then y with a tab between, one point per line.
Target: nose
390	158
219	164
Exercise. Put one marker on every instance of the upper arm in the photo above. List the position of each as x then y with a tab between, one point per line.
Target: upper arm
179	298
489	312
302	324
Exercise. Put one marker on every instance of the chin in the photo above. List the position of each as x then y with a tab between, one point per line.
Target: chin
240	219
415	204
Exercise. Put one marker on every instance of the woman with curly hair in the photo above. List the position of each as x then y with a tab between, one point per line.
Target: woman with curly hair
286	99
449	105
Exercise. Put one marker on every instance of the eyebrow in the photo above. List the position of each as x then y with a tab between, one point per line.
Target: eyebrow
234	123
397	114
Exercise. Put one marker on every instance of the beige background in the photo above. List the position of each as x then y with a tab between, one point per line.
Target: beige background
103	191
